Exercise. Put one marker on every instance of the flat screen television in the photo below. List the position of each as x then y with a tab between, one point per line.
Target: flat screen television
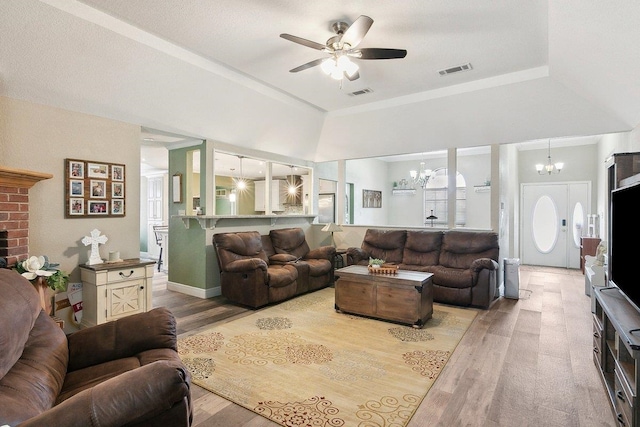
624	259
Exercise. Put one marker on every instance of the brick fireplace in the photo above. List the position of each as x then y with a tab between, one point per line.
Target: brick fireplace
14	212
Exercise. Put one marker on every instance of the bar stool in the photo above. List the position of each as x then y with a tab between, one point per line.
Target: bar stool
157	231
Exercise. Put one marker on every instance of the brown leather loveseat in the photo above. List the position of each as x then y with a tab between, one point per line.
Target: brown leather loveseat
121	373
464	264
256	270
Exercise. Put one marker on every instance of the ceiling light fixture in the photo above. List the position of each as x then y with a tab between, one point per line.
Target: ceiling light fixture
422	176
549	168
339	65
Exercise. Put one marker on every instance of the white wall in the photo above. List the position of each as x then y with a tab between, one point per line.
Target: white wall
369	174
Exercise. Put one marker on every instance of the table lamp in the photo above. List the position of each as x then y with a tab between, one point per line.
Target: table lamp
332	227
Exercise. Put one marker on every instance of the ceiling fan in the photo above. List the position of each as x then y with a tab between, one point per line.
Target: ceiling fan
342	47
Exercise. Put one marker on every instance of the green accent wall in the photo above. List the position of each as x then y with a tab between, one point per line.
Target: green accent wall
188	258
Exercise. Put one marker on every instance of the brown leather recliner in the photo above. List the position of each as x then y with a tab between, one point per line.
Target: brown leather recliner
315	267
122	373
246	276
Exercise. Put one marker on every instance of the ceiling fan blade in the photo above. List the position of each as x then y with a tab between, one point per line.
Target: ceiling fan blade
307	65
304	42
379	53
356	32
355	76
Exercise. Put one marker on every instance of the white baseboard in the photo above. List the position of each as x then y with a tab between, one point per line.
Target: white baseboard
194	292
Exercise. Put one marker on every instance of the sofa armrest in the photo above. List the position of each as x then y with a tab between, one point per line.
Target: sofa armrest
355	255
129	398
245	264
323	252
483	263
124	337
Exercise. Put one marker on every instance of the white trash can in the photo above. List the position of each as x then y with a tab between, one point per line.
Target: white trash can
512	278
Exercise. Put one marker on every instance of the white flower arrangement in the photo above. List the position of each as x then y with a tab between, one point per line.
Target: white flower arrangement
39	266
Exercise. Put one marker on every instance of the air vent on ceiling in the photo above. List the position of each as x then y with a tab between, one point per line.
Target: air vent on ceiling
456	69
360	92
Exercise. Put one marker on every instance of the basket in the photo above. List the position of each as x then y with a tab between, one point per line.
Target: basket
384	269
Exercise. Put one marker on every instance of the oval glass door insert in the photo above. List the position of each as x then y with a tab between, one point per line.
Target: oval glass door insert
544	224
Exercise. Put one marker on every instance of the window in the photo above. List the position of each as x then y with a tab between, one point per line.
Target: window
436	199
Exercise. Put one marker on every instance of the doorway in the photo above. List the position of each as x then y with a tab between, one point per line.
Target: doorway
553	220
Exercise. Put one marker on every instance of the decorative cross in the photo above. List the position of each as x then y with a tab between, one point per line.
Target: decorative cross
95	240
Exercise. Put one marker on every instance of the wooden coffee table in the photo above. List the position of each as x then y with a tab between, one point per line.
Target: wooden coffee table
405	297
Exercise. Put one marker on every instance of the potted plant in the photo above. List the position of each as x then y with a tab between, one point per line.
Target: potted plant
375	262
45	276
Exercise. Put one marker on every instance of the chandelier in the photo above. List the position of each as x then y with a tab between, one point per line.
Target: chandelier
549	168
422	176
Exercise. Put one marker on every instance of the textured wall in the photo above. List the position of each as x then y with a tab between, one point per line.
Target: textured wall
38	138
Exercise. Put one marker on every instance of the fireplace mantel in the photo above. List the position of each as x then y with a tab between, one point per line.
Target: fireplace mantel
21	178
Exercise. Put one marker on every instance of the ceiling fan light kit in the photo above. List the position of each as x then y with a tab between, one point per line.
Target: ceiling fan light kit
342	47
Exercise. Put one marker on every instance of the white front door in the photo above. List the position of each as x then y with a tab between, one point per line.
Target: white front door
553	220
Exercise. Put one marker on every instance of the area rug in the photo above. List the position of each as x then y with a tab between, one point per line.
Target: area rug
301	363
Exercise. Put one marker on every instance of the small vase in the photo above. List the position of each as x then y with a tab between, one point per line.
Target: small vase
375	265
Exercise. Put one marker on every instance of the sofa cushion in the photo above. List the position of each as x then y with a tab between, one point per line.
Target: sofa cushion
452	277
460	248
90	376
282	275
240	245
422	248
385	244
318	267
289	241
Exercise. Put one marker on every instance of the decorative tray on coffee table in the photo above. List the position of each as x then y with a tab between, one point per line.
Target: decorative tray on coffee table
384	269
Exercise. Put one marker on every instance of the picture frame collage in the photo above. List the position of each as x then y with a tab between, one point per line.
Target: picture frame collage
94	189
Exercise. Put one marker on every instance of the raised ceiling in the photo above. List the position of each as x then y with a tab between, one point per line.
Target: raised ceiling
219	70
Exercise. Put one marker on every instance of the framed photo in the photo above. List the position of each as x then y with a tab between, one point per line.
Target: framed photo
117	173
93	188
98	188
117	207
76	188
76	169
98	207
76	206
97	170
371	199
117	190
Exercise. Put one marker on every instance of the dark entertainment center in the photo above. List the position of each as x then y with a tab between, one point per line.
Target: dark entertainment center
616	307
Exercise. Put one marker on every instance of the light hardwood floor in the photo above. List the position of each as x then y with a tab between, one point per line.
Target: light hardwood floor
525	362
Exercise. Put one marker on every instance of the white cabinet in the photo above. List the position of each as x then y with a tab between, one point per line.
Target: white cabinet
278	195
114	290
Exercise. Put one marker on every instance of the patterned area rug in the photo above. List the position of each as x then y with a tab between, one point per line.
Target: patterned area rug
302	364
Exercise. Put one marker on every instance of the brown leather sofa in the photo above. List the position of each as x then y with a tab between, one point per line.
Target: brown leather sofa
464	264
256	270
121	373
